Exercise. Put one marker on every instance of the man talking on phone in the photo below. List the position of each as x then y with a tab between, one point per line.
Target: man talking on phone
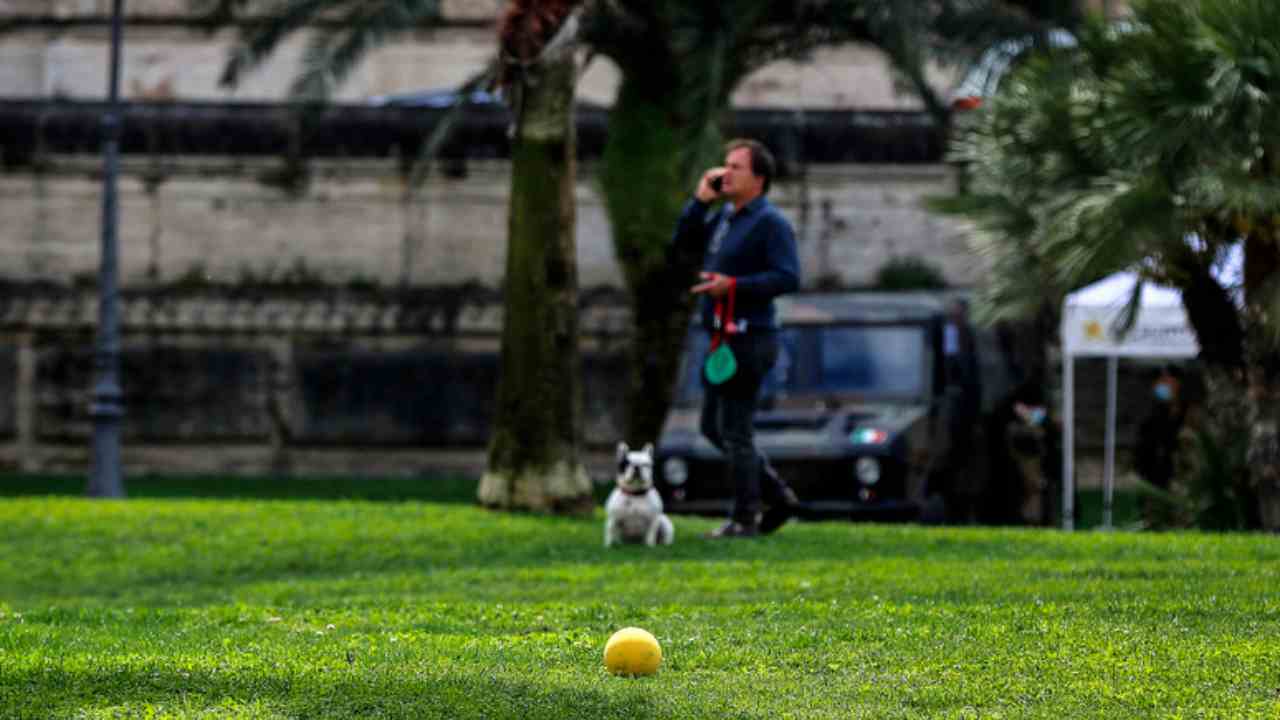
750	251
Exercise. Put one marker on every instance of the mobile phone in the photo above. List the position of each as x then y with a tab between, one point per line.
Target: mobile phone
716	182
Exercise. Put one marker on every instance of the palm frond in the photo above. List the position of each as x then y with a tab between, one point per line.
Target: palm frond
253	47
1017	283
624	31
1109	225
215	13
965	25
703	37
330	55
1128	315
1231	193
791	31
900	29
1019	154
1198	83
995	213
440	133
315	82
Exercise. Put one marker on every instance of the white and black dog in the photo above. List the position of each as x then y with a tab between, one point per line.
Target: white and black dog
633	512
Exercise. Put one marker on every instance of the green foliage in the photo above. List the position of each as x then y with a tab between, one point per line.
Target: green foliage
1221	496
343	609
331	54
1018	159
1155	147
1107	157
909	272
639	156
1214	490
679	62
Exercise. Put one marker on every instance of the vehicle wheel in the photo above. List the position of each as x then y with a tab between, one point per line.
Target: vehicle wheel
934	510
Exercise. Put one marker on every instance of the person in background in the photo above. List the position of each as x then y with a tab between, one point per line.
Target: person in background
1015	433
963	381
1158	439
750	258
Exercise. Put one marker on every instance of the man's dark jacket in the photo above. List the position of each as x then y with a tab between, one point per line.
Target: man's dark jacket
758	248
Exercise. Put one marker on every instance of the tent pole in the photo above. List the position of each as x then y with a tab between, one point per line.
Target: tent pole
1109	468
1068	440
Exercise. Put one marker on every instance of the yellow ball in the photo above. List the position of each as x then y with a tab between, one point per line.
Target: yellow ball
632	651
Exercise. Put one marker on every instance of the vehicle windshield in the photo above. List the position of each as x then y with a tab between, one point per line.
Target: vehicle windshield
872	361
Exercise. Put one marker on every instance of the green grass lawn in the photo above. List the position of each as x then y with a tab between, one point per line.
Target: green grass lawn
232	607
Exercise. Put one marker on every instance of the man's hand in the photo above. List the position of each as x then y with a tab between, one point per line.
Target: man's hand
704	192
713	284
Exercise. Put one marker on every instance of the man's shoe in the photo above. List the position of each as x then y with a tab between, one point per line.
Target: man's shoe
779	513
734	529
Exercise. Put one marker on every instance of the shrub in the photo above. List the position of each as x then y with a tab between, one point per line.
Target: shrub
909	273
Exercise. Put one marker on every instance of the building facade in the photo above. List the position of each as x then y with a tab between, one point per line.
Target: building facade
248	297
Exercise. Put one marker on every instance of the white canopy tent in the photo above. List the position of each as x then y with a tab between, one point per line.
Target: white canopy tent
1160	330
1089	317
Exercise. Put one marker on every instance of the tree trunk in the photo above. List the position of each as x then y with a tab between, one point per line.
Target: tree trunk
1212	472
1263	456
1240	411
534	461
1261	275
660	324
650	167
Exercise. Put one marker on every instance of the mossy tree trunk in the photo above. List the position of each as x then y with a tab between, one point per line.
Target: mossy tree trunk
1241	353
534	451
1263	454
652	159
1262	286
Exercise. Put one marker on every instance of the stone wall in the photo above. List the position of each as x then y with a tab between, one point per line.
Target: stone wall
327	393
170	62
283	377
297	378
214	218
135	9
163	60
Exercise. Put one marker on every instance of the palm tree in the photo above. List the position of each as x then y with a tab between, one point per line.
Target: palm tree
534	461
1155	146
1017	157
534	453
680	62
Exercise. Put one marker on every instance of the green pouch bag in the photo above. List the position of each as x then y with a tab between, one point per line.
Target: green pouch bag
720	365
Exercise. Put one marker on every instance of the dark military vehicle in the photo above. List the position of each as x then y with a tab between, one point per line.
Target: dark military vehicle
851	415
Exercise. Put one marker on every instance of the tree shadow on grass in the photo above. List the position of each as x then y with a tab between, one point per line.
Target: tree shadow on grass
435	488
340	693
421	551
169	554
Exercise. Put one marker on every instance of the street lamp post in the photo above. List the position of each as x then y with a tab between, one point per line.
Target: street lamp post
107	405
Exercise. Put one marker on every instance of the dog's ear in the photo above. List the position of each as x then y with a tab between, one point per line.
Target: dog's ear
622	451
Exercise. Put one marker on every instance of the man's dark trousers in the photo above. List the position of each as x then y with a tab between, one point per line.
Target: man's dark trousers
727	411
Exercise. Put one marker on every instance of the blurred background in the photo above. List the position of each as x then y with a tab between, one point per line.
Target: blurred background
291	302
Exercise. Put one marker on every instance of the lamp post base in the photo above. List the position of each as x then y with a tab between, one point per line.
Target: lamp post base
105	479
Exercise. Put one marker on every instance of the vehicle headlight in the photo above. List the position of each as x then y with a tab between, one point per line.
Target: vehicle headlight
868	470
675	470
868	436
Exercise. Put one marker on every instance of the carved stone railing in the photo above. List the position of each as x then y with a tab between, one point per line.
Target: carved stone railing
463	310
31	127
280	377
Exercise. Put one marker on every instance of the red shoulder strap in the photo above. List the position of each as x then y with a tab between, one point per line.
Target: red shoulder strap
724	316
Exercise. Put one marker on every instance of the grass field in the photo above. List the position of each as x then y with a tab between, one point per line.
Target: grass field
254	607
